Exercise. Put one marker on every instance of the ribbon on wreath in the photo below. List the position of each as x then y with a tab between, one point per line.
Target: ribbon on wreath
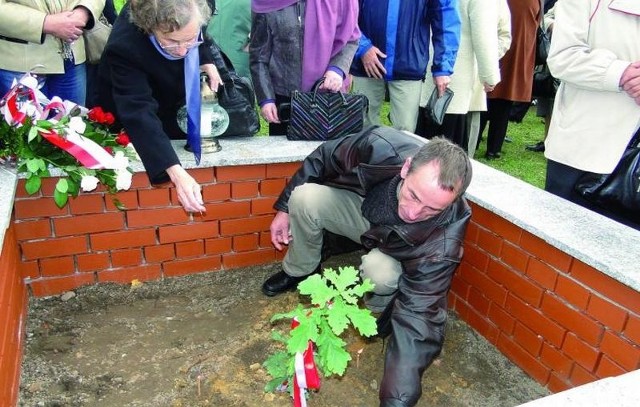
306	373
25	100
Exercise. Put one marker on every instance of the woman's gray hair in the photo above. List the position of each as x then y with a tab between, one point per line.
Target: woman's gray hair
455	165
167	15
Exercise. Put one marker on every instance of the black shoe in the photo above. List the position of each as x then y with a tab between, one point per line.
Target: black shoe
282	282
492	156
538	147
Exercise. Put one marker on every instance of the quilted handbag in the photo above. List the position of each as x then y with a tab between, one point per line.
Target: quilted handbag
321	116
96	38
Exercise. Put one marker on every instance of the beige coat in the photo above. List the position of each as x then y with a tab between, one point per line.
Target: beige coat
23	20
593	120
478	54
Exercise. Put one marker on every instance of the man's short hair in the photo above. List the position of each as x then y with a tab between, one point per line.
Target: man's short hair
455	165
167	16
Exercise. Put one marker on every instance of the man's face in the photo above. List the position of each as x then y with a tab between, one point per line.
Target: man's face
420	197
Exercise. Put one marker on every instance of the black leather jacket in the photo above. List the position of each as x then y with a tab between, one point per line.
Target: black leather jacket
429	251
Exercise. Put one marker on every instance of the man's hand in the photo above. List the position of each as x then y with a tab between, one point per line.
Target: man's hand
630	81
187	188
332	81
372	64
280	235
441	83
214	77
270	112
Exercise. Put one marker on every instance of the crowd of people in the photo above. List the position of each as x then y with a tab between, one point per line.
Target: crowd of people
397	196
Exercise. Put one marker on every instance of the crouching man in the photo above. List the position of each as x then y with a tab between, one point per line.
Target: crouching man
401	198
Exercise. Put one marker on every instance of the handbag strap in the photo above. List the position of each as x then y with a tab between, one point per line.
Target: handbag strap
316	88
635	140
544	30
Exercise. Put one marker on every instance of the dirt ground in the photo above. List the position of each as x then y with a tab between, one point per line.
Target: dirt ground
200	340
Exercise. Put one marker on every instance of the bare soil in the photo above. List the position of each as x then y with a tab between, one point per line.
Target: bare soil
200	340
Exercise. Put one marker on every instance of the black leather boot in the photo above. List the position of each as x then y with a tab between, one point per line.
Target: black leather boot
282	282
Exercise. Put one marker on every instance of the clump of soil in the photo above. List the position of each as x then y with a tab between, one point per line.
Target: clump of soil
200	340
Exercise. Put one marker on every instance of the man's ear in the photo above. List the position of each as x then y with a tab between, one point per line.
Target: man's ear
405	168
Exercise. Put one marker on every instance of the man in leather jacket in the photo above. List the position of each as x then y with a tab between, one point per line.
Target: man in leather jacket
403	200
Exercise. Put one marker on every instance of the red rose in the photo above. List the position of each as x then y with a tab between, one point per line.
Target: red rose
109	119
100	116
123	138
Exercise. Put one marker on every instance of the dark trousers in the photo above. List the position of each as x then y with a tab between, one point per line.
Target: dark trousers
560	181
454	127
497	115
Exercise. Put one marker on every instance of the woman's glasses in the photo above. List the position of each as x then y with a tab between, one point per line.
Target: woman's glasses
175	45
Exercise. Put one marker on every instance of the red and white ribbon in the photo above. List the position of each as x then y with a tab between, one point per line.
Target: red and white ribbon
306	373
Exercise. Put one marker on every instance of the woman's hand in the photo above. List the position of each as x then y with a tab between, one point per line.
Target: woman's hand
332	81
214	77
270	112
188	189
67	25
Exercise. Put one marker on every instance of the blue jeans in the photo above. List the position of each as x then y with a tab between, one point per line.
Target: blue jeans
70	85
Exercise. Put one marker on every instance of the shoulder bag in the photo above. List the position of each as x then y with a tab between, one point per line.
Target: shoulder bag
543	40
321	116
620	190
96	38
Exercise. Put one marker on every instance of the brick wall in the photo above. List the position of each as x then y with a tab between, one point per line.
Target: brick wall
560	320
13	307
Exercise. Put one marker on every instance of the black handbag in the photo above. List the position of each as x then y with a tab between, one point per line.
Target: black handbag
321	116
437	106
544	84
543	40
620	190
238	98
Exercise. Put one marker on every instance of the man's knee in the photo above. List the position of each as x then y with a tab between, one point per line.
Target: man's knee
305	197
382	270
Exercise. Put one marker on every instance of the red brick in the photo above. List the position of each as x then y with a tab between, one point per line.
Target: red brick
199	265
92	261
128	200
501	318
515	282
126	258
262	206
488	287
124	239
522	358
580	351
86	204
128	274
54	247
607	286
557	384
189	249
527	339
621	351
556	360
478	301
245	243
29	269
514	257
192	231
632	330
272	187
140	180
216	192
154	217
489	242
49	185
576	294
282	170
228	210
480	324
608	368
459	287
545	252
580	376
37	229
235	260
582	325
265	239
86	224
202	175
37	208
536	320
153	198
471	234
243	226
609	314
241	190
542	273
57	285
502	227
159	253
21	192
57	266
218	246
240	172
476	257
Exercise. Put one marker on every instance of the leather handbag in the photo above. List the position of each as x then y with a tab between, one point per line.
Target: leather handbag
96	38
543	40
544	84
620	190
437	106
321	116
238	98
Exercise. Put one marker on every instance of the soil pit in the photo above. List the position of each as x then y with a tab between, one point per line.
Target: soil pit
200	340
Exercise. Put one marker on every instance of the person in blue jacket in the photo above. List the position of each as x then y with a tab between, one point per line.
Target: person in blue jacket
394	51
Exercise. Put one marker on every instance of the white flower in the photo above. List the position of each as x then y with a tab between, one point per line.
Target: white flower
121	162
123	179
88	183
77	125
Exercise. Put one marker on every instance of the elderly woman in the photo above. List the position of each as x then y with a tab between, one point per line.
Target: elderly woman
150	68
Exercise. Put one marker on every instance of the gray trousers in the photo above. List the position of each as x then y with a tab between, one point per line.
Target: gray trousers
314	207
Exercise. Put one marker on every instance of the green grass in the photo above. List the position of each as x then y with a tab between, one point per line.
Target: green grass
525	165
